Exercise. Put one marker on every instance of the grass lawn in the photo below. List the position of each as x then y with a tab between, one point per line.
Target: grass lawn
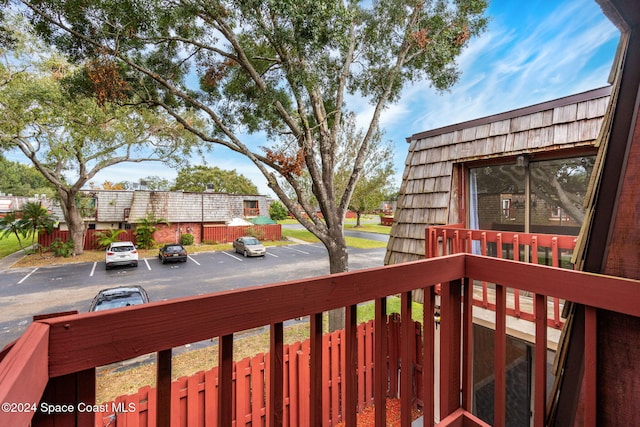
354	242
9	245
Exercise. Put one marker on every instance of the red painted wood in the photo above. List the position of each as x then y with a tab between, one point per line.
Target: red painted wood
540	379
242	392
275	397
590	367
350	367
315	368
24	373
258	381
163	388
500	358
406	363
580	287
380	361
225	377
450	310
82	341
428	364
467	344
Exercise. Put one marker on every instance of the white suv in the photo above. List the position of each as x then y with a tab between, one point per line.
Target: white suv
121	253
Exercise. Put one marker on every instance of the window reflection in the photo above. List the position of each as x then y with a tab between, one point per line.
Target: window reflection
557	191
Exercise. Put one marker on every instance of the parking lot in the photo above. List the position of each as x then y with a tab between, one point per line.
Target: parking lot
25	292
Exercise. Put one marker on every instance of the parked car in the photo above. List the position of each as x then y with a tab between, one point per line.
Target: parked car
121	253
121	296
249	246
172	252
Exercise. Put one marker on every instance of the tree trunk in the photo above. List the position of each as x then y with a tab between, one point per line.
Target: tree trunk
358	219
74	220
338	263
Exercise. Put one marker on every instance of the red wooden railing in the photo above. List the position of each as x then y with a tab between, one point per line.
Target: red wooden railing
544	249
54	361
251	212
195	397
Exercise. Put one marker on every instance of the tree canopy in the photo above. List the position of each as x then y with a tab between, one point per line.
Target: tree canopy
204	178
21	179
283	70
68	135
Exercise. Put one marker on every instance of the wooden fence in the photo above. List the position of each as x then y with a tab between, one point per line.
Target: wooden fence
214	234
90	239
224	234
194	399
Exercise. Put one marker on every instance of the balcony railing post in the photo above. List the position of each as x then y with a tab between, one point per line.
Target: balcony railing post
406	362
540	387
428	374
467	340
315	366
450	310
276	372
500	358
349	373
225	381
163	388
380	361
71	389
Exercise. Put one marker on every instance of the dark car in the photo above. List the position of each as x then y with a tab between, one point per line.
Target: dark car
172	252
122	296
249	246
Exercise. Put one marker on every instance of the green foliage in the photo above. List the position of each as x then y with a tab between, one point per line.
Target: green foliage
11	226
20	179
145	229
61	249
256	232
277	211
106	237
186	239
201	178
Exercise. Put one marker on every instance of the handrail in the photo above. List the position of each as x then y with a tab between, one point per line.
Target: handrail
66	350
449	239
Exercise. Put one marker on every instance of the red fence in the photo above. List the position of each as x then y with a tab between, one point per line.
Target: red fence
90	239
546	249
215	234
194	399
224	234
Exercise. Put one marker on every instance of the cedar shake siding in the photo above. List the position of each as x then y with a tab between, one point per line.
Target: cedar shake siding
431	186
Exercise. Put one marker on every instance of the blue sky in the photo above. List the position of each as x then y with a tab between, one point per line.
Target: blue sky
532	51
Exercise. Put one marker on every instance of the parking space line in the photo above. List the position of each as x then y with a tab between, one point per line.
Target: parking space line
232	256
27	276
189	256
273	255
147	262
297	250
93	269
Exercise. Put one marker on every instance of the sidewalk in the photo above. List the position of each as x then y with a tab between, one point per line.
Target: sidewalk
9	260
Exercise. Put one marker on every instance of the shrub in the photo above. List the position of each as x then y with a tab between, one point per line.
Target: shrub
186	239
106	237
278	211
61	249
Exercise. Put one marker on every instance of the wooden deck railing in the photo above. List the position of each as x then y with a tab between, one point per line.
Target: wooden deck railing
54	361
546	249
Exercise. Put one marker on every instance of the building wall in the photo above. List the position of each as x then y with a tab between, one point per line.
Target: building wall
430	185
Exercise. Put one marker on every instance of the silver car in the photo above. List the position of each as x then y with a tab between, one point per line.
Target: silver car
121	253
249	246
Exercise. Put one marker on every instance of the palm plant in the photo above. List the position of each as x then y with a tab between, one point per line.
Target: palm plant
34	219
106	237
9	225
